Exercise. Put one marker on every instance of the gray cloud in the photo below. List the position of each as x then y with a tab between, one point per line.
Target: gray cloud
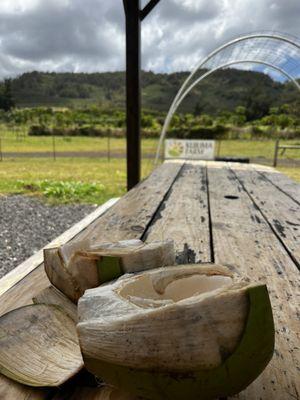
76	35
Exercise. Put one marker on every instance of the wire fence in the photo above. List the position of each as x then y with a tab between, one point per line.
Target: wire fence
23	146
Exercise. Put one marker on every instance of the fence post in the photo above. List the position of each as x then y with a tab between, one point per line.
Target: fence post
53	147
219	148
108	144
276	153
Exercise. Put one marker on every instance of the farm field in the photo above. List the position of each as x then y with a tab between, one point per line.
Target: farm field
28	144
68	180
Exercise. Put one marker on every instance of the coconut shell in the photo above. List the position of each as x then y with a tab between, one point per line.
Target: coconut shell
205	337
39	346
73	268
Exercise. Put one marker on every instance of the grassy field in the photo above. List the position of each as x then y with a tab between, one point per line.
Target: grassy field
246	148
74	179
29	144
95	180
293	173
256	148
66	180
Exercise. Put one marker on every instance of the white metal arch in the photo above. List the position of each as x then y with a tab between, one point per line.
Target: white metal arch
174	106
274	36
182	92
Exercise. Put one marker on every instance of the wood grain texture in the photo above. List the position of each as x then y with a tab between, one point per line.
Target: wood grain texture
126	220
184	216
281	181
129	218
239	241
22	293
281	212
244	241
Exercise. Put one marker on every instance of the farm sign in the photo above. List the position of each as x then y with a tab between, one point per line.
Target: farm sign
190	149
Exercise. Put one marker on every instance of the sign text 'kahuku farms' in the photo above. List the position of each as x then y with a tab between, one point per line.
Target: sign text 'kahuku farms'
190	149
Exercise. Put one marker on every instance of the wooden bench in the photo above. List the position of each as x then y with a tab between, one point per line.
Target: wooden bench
241	215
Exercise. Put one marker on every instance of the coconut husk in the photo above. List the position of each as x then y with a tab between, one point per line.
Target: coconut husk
177	332
39	346
75	267
10	390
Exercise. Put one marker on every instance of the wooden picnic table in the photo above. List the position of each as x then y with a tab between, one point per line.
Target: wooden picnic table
246	217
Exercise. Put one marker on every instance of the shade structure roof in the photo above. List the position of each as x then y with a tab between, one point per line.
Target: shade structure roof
276	53
274	48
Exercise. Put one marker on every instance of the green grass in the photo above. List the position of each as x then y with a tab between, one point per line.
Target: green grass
29	144
256	148
246	148
66	180
95	180
293	173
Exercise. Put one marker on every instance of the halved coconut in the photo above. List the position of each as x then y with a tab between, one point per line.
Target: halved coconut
190	331
39	346
78	266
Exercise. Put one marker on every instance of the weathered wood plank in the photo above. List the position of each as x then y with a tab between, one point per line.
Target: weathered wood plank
129	218
281	212
184	216
244	241
126	220
281	181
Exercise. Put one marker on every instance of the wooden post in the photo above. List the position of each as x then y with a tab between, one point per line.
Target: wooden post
1	156
134	16
108	144
219	148
276	153
133	91
53	147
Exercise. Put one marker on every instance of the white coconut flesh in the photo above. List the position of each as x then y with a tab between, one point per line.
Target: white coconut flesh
143	291
75	267
179	318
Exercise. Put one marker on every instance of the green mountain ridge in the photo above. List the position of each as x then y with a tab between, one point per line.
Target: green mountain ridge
222	91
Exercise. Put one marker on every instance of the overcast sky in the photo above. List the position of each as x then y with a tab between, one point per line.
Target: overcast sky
88	35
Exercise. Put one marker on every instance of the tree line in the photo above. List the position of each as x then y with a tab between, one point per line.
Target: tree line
283	121
223	91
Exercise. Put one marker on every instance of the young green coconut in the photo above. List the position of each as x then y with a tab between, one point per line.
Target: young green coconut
191	331
81	265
